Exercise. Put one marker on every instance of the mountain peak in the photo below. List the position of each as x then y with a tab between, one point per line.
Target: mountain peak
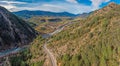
2	9
112	5
106	9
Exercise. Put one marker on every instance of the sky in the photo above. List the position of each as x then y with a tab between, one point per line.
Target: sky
71	6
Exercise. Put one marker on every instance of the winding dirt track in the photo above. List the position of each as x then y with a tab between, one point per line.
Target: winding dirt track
51	56
49	53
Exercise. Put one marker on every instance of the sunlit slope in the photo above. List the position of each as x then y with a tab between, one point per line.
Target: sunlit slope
93	41
90	42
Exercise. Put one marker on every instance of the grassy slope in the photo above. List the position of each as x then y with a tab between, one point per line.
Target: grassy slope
91	42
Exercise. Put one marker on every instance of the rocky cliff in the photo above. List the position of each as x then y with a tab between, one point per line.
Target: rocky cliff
13	30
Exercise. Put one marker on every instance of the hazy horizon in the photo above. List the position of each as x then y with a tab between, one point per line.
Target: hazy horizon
71	6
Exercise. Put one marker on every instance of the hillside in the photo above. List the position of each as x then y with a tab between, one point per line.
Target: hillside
14	31
47	24
83	15
93	41
29	14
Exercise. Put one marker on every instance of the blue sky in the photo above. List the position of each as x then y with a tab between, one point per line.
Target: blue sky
72	6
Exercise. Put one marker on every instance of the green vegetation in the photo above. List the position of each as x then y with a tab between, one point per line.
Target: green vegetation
93	41
31	56
21	59
90	42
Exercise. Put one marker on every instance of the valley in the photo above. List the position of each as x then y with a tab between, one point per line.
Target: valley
46	38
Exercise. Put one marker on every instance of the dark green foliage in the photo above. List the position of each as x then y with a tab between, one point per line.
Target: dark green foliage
37	64
20	60
32	24
43	28
24	57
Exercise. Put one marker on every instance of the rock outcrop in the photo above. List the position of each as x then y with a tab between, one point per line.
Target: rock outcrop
14	31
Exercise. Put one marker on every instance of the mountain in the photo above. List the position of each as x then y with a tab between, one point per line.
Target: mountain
83	15
14	31
93	41
29	14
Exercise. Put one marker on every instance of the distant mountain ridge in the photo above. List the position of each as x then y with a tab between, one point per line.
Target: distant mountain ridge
29	14
84	15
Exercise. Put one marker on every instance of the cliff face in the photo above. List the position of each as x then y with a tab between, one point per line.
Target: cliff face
13	30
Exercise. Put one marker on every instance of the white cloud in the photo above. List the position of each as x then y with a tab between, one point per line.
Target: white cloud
13	2
58	7
71	6
51	5
10	5
44	7
72	1
97	3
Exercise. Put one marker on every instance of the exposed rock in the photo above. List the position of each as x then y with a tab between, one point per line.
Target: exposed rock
112	5
13	30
